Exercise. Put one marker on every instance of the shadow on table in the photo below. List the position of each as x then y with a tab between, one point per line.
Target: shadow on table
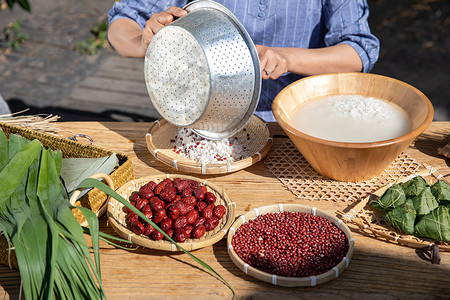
428	143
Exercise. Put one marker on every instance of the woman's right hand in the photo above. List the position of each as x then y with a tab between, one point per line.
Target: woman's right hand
159	20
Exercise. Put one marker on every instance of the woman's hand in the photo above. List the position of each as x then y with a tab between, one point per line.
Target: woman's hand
273	60
159	20
127	37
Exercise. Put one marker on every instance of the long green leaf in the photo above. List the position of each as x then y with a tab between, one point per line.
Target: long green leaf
15	170
90	182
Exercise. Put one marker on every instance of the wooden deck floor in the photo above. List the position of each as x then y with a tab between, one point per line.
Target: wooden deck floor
117	87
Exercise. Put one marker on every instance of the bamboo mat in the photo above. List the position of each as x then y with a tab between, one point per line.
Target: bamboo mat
295	173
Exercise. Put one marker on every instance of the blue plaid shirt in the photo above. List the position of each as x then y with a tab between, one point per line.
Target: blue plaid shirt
282	23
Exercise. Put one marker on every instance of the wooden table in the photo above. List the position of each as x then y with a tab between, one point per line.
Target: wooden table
377	269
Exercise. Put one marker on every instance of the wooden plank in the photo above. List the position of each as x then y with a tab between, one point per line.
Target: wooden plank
378	270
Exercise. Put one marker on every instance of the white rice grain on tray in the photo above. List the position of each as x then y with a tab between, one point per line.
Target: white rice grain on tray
192	146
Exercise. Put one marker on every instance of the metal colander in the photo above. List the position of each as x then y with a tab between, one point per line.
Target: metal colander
202	71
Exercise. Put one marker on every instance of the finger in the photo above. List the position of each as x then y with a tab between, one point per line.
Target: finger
164	18
176	11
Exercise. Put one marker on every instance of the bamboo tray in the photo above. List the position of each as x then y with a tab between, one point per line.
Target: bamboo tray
370	222
283	280
159	145
117	217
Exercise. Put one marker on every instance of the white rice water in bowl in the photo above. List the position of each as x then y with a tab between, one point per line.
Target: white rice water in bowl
351	118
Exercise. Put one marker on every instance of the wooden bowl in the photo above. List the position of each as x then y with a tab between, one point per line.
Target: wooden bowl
117	217
352	161
283	280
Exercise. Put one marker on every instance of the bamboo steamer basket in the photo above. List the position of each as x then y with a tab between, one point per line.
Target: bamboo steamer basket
257	139
352	161
283	280
117	217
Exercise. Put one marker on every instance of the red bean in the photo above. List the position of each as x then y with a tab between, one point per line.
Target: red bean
290	244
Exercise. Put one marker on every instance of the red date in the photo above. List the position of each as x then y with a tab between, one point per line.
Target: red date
210	198
198	231
219	211
212	223
159	215
192	216
180	223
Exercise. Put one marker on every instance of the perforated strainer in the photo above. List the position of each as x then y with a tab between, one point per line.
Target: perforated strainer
202	71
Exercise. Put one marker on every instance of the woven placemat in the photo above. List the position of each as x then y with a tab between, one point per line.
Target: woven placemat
292	169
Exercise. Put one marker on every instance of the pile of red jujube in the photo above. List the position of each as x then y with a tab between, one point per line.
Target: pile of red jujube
291	244
182	208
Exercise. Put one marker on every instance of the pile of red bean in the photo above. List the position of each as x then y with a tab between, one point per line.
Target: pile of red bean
291	244
182	208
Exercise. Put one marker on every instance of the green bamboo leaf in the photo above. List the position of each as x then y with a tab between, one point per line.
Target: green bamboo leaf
402	217
393	197
4	150
425	202
90	182
435	225
75	170
441	191
414	186
13	172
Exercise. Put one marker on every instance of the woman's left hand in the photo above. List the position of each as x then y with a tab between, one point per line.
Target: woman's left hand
273	60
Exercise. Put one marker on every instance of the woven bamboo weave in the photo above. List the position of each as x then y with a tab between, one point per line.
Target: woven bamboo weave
296	175
95	198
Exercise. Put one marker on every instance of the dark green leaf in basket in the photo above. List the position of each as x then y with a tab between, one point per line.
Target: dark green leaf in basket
425	202
75	170
441	191
435	225
393	197
414	186
402	217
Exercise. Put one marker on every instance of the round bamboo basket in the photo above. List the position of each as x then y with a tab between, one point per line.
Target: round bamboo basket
255	136
352	161
282	280
117	217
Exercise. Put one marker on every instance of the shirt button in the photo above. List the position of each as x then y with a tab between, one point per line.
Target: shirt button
262	1
261	14
262	7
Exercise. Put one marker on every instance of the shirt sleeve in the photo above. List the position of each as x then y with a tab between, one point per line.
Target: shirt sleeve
140	10
346	21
